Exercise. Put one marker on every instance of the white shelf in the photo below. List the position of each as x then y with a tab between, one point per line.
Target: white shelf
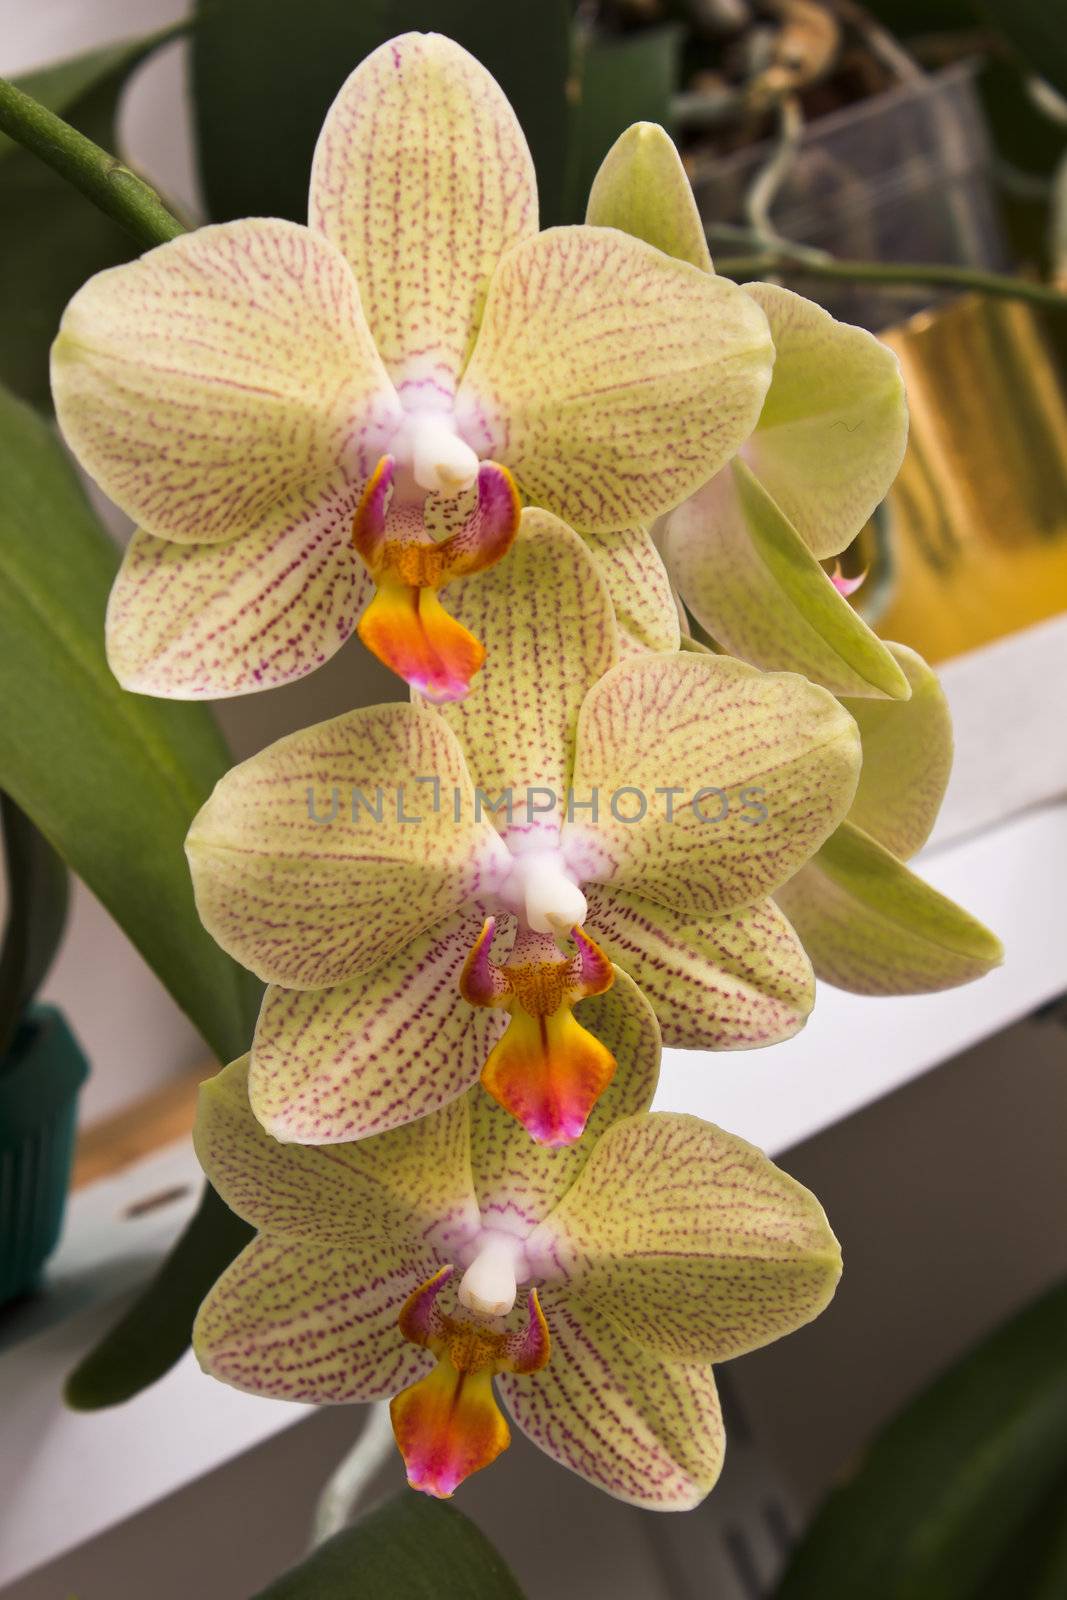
66	1477
855	1049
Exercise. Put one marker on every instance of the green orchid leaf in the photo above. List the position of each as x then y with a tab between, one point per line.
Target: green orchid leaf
411	1548
907	758
111	779
60	239
749	578
249	60
156	1330
38	892
619	81
956	1499
871	926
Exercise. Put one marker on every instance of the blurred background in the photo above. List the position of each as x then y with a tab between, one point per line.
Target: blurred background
906	131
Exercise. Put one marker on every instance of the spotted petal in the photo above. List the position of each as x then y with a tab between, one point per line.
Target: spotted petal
304	866
377	1051
206	621
221	378
646	1430
749	578
422	178
547	622
612	380
294	1320
872	926
763	767
689	1240
642	188
392	1195
735	982
640	588
907	758
517	1181
832	433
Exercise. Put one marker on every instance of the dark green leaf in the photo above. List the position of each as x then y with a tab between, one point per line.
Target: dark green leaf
37	896
53	237
1034	1567
155	1331
1037	30
949	1486
411	1548
111	779
265	72
620	81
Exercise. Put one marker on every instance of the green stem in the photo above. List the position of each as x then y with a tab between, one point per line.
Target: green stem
134	204
775	263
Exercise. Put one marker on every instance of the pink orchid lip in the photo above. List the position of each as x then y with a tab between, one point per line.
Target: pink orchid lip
405	625
447	1424
844	585
547	1070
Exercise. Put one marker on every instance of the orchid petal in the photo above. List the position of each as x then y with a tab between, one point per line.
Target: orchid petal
392	1195
648	1431
907	758
763	767
548	1072
448	1426
207	621
640	589
547	622
375	1052
642	188
422	178
517	1182
871	926
325	854
221	378
831	436
689	1240
612	380
751	581
735	982
295	1320
412	634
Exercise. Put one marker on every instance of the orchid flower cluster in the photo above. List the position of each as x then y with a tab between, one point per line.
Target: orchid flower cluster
479	914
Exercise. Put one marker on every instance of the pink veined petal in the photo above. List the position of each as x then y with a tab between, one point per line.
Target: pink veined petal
207	621
385	1047
298	1320
422	178
646	1430
223	375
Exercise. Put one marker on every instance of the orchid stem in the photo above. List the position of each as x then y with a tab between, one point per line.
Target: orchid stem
101	177
351	1478
779	263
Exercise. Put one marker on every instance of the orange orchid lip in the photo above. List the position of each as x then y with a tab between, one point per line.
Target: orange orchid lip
547	1070
448	1424
405	624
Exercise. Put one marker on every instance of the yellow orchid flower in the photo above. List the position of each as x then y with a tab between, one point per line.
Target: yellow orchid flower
296	414
596	1284
645	808
744	550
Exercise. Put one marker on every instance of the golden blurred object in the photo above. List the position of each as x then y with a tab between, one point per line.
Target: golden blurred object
978	515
